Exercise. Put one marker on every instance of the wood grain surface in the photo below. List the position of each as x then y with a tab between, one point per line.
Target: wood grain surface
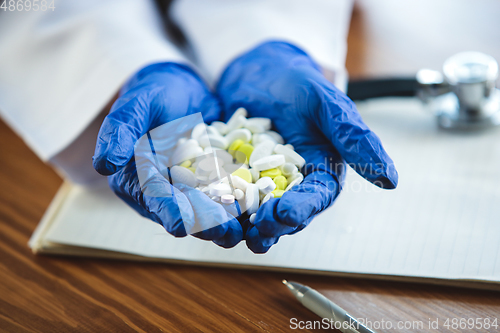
58	294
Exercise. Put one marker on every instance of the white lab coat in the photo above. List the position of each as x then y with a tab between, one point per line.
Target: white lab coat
58	69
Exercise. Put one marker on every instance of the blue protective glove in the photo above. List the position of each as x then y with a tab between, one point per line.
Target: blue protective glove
156	95
279	81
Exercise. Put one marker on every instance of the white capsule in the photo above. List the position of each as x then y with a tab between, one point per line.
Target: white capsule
181	175
276	136
252	198
239	194
269	162
266	185
290	155
268	196
252	217
255	175
220	189
220	126
239	134
290	146
288	169
263	149
227	199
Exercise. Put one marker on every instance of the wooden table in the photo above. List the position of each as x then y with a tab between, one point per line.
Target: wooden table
58	294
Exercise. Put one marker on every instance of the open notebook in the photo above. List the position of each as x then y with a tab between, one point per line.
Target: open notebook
442	223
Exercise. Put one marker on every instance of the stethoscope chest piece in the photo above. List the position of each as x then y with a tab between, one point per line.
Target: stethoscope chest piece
466	97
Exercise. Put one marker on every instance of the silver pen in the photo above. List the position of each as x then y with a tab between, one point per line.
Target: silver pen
325	308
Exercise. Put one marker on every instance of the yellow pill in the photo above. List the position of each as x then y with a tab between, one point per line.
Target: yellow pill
278	193
193	170
243	174
234	146
280	182
186	164
245	150
270	173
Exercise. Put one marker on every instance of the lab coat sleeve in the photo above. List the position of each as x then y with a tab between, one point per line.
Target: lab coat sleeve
221	30
60	68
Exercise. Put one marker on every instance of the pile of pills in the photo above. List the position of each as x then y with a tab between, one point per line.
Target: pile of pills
240	160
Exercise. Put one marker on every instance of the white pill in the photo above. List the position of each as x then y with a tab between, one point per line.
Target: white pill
237	120
181	141
239	194
267	197
258	138
269	162
265	123
224	156
220	189
188	150
290	155
255	175
290	146
263	149
294	180
266	185
227	199
252	217
254	128
276	136
198	130
220	126
214	175
288	169
212	131
218	141
202	179
207	165
252	198
239	182
181	175
239	134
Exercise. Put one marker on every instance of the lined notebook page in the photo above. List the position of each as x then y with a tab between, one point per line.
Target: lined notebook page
443	220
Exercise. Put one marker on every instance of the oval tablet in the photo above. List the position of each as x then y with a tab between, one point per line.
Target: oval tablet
182	175
220	126
252	217
252	198
239	194
269	162
290	155
220	189
239	134
280	182
272	173
263	149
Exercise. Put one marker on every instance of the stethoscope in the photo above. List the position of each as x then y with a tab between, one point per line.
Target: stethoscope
464	98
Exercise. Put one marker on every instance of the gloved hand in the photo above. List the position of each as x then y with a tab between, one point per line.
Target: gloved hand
156	95
279	81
